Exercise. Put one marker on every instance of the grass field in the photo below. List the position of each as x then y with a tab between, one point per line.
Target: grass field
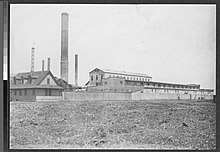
113	124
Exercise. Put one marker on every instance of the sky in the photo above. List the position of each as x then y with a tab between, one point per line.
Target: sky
171	43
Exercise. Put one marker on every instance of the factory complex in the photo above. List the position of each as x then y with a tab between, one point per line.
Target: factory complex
103	84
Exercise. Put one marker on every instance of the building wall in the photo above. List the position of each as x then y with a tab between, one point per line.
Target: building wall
29	94
28	97
94	74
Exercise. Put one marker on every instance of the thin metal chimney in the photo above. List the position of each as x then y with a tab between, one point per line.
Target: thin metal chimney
32	59
76	69
42	65
48	65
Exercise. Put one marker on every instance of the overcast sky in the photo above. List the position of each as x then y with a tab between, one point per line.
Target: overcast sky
171	43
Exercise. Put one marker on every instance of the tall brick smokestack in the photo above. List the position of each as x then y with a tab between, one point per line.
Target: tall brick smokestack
64	47
76	69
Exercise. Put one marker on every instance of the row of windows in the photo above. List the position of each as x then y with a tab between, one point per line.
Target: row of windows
96	77
163	85
166	90
121	82
115	90
25	92
19	92
130	78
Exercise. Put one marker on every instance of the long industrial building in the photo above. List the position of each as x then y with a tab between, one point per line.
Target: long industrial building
105	84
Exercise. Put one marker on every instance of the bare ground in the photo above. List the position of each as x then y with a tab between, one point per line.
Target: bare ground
113	124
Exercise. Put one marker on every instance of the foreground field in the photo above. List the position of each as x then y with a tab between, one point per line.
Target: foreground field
113	124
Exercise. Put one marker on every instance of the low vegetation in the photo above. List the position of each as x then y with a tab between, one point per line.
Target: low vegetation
113	124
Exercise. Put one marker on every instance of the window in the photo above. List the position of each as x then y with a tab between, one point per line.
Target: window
152	90
22	79
101	77
97	77
164	90
45	92
105	82
49	92
20	92
109	75
33	93
15	92
91	77
121	82
48	80
25	92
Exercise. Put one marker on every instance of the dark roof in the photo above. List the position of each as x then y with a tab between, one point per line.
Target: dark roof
37	78
62	83
165	83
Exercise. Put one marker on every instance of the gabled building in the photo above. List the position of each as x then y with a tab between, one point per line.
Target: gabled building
34	86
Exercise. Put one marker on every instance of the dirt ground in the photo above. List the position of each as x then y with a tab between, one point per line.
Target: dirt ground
155	124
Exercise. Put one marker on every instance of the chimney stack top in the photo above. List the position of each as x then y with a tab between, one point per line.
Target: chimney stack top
48	64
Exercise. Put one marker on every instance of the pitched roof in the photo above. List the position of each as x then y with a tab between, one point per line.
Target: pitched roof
37	78
124	72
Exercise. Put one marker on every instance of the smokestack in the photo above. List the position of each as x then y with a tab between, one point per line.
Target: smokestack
48	65
64	47
32	59
76	69
42	65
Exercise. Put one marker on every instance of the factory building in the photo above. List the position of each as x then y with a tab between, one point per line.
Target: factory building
136	86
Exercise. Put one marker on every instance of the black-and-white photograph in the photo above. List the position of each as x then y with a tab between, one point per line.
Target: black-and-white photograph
112	76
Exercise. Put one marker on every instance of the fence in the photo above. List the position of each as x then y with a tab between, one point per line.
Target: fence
48	98
95	96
